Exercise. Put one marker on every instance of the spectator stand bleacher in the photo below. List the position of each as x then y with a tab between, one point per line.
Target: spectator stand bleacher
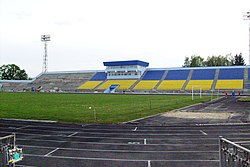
97	79
230	78
174	79
150	80
201	79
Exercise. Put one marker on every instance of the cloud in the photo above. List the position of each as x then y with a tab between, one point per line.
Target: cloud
62	23
21	14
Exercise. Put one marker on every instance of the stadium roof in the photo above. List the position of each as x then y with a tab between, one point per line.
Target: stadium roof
125	63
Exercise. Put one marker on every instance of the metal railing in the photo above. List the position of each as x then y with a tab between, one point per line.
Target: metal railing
233	154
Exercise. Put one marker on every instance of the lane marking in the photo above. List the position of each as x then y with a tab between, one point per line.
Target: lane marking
110	159
182	129
123	151
94	137
149	165
145	141
29	120
97	143
48	154
23	127
196	134
131	142
24	165
85	125
72	134
204	133
135	129
216	124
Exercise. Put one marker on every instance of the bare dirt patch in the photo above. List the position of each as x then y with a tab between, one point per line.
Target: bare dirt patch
197	115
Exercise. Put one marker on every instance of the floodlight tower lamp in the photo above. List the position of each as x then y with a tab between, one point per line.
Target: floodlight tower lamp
45	39
246	16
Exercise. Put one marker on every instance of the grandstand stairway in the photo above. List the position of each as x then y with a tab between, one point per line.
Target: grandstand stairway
111	89
98	86
188	79
162	79
246	79
132	87
215	79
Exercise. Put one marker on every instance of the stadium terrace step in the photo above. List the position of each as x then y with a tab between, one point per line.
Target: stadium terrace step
188	79
215	79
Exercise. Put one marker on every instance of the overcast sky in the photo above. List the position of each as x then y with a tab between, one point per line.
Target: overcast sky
84	33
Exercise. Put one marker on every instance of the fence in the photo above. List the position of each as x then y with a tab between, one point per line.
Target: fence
9	152
233	154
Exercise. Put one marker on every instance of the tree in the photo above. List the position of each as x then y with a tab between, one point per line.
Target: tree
186	62
12	72
238	60
219	60
195	61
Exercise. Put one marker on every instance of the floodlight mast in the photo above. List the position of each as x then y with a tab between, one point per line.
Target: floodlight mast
246	16
45	39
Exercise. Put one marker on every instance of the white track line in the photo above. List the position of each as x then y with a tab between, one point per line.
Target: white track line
127	160
145	141
28	120
122	151
167	133
24	165
182	129
97	143
129	134
24	127
135	129
216	124
204	133
112	138
72	134
149	165
48	154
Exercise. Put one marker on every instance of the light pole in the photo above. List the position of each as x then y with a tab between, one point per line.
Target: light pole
246	16
45	39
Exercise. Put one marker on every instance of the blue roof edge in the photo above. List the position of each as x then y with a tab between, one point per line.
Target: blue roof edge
124	63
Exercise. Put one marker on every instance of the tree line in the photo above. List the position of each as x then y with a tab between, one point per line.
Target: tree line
228	60
12	72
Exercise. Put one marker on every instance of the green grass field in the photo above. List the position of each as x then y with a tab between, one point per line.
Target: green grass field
75	108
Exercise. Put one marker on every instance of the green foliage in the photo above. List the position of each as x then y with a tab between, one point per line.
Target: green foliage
76	107
186	62
238	60
12	72
219	61
228	60
194	61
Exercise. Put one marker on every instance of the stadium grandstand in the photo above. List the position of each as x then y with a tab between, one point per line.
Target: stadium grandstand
134	76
